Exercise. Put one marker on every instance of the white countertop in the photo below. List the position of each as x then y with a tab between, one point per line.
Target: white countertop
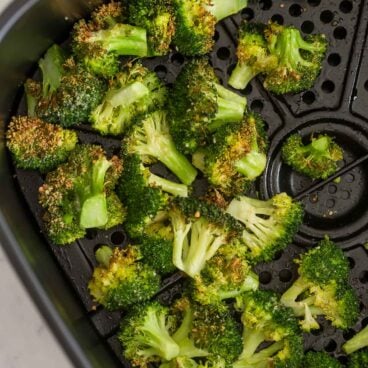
25	339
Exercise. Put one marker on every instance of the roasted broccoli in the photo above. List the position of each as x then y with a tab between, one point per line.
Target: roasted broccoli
151	140
157	17
134	92
68	92
79	195
318	159
299	60
200	229
320	360
196	21
199	104
266	320
185	362
37	145
99	42
269	226
359	359
235	156
121	279
357	342
322	288
253	55
226	275
146	335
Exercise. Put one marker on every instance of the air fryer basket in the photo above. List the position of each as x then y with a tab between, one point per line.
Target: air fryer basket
337	105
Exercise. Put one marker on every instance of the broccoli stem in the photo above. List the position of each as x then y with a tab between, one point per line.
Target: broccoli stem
31	100
251	282
264	354
52	69
103	255
241	76
168	186
123	39
359	341
231	108
221	9
127	95
251	339
252	165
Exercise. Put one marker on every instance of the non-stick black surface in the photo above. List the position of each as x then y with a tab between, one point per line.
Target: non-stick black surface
337	105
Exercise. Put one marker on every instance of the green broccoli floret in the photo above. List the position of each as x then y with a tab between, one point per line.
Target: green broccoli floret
322	288
318	159
68	93
134	92
235	156
121	279
200	229
146	335
320	360
253	55
99	42
269	225
79	195
196	21
265	319
359	359
185	362
37	145
357	342
226	275
151	140
199	104
157	17
299	60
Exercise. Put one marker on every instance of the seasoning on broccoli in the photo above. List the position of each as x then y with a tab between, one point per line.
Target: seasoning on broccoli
269	226
199	104
299	60
79	195
235	156
323	289
254	57
157	17
318	159
37	145
196	21
68	92
121	279
266	320
99	42
320	360
146	335
134	92
200	229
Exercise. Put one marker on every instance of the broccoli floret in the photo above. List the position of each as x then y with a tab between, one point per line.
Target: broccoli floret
357	342
199	105
322	288
320	360
196	21
235	156
318	159
37	145
200	229
68	94
269	225
226	275
134	92
299	60
265	319
157	17
121	280
99	42
151	140
358	359
79	195
185	362
253	55
146	335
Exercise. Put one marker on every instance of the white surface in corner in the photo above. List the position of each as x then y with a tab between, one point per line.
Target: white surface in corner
25	339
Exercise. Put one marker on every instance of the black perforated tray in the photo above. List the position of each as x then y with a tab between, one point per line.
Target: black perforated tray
336	105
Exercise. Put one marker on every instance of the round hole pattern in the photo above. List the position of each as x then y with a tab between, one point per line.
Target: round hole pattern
331	346
285	275
346	6
307	26
177	59
340	33
326	16
334	59
278	18
314	2
363	277
265	277
295	10
257	106
161	71
91	234
247	14
117	237
223	53
309	97
265	4
328	86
